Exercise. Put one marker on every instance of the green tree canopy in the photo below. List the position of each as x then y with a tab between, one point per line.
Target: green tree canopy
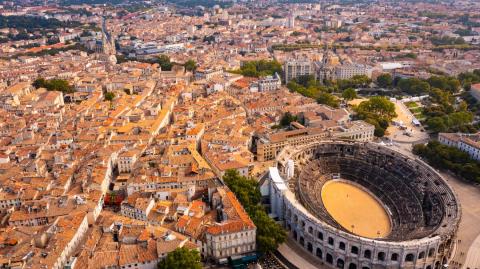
190	65
260	68
328	99
446	83
378	107
451	158
269	233
413	86
164	62
349	94
287	118
355	82
378	111
181	258
53	85
109	96
385	80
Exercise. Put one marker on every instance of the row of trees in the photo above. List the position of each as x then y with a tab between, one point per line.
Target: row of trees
309	87
269	233
416	86
53	85
451	158
446	40
31	23
166	64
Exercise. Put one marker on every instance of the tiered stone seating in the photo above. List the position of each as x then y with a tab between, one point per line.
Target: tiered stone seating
416	199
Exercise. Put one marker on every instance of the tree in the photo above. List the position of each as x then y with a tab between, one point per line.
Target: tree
260	68
181	258
385	80
328	99
53	85
413	86
355	82
445	83
378	107
109	96
190	65
349	94
164	62
378	111
446	157
269	233
287	118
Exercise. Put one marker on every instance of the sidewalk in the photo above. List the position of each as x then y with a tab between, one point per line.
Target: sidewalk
298	256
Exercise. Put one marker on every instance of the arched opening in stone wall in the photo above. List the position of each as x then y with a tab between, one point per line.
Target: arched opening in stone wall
340	263
381	256
367	254
309	247
394	257
320	235
329	258
319	253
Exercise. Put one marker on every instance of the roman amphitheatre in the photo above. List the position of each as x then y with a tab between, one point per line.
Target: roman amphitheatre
361	205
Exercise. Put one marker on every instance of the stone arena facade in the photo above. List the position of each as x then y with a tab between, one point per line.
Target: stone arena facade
423	209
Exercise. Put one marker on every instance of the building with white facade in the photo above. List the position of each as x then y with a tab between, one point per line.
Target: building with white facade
297	68
347	71
470	143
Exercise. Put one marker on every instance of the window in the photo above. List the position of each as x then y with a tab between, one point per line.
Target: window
354	250
342	246
431	252
367	254
394	257
319	253
320	235
330	241
381	256
409	257
421	255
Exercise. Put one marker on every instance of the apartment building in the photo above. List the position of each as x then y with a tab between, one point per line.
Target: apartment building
297	68
347	71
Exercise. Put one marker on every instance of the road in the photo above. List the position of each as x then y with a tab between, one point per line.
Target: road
467	253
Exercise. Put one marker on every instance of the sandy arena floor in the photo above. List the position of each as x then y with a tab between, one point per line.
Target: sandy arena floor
355	209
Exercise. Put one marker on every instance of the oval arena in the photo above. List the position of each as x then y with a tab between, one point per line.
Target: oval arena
362	205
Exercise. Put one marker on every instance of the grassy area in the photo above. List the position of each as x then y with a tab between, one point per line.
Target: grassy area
416	110
411	104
